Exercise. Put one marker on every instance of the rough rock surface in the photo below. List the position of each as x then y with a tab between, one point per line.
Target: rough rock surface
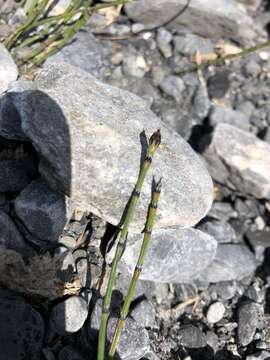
43	211
10	238
232	262
174	255
16	174
89	143
21	328
84	52
248	321
240	160
8	69
211	18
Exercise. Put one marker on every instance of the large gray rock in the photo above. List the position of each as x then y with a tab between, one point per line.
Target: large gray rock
44	212
8	69
89	138
209	18
239	160
232	262
174	255
21	328
10	238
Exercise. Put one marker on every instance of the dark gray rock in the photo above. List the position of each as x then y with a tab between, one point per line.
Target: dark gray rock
70	353
239	160
218	84
222	232
21	329
248	321
174	255
173	86
10	121
69	315
43	211
191	336
226	115
10	238
15	175
232	262
259	241
144	314
88	122
9	71
211	18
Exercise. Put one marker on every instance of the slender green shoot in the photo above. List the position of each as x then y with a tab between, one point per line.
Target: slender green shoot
222	60
154	142
138	269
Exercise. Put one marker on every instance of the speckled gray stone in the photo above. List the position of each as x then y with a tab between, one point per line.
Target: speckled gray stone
174	255
89	136
248	320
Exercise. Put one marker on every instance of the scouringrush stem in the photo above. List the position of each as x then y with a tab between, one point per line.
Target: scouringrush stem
154	143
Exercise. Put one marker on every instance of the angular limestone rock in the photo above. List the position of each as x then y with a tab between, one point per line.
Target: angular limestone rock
90	138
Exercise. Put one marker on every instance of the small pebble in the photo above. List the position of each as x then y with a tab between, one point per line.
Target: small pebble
215	312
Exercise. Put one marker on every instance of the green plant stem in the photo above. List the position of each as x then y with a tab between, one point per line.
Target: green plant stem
222	60
60	38
138	269
51	21
154	142
35	11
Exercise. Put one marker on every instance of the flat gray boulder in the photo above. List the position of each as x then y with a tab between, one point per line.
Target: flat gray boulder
239	160
89	137
209	18
174	255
